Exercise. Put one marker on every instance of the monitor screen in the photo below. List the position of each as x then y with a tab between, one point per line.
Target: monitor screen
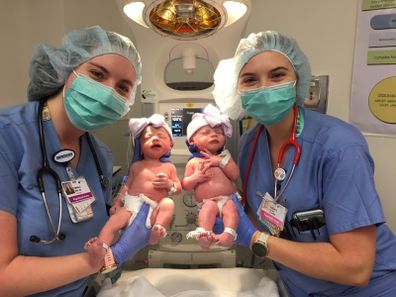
180	118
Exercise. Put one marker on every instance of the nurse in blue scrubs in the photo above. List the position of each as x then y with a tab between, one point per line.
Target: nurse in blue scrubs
45	148
308	178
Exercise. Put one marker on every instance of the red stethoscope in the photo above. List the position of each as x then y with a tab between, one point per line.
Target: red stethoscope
279	173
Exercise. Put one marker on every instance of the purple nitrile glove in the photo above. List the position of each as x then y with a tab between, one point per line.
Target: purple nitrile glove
134	237
245	229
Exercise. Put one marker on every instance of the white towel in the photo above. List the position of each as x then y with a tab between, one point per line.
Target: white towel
140	286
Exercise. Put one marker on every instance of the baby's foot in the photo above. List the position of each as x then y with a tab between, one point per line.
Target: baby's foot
205	242
157	232
96	252
224	239
206	239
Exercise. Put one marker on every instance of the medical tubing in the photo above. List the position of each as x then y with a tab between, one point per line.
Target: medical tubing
41	135
40	178
297	154
49	215
103	180
277	196
134	238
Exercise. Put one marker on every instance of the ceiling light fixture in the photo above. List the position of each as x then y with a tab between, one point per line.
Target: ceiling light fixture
185	19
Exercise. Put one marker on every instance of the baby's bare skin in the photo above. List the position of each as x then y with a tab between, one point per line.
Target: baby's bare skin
218	184
210	182
146	174
150	177
95	250
153	178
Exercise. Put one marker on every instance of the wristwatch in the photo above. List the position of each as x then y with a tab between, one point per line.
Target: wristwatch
259	244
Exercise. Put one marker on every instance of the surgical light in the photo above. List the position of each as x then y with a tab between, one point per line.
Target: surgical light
185	19
134	11
235	10
189	63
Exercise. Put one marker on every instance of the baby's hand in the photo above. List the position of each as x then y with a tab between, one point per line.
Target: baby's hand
212	160
116	206
200	174
162	181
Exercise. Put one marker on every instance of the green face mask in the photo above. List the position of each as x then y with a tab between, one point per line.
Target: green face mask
91	105
269	105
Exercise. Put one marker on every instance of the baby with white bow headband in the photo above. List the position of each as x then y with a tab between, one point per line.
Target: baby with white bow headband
212	173
151	179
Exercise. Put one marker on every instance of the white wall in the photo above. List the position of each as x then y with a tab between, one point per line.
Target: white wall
21	24
324	29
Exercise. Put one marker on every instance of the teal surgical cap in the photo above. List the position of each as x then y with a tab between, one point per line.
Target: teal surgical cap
226	75
50	67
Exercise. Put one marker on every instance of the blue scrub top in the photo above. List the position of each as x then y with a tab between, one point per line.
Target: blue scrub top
20	159
336	174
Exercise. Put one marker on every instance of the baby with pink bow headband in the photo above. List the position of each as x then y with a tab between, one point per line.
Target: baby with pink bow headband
212	173
151	179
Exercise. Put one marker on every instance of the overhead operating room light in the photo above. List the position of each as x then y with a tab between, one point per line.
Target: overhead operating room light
185	19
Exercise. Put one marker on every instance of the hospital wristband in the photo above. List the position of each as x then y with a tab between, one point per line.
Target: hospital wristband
172	190
121	197
231	231
226	158
105	246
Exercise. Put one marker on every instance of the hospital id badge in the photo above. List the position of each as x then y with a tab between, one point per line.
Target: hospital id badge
79	198
272	214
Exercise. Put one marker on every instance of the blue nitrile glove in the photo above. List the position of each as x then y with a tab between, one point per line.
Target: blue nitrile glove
245	229
134	237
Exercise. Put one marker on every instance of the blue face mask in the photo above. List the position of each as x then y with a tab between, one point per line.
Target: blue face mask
91	105
269	105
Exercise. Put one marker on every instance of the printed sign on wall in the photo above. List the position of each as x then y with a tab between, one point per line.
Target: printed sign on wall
373	98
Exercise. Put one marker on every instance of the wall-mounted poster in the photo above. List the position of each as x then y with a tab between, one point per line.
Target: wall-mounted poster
373	98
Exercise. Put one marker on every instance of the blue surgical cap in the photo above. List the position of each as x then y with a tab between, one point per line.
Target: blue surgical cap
50	66
227	72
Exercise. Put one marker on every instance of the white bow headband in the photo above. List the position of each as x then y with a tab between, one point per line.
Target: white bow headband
137	125
210	116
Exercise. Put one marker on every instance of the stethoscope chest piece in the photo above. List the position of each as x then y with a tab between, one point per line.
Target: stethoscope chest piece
279	174
104	181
